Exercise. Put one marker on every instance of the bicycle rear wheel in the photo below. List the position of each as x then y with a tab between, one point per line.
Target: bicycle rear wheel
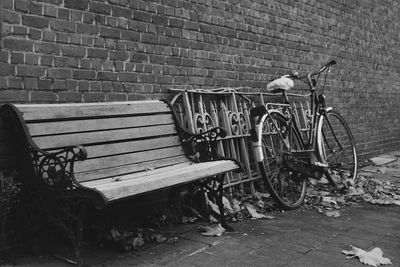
337	148
287	188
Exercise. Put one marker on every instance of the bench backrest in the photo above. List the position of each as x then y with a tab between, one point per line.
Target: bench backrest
120	137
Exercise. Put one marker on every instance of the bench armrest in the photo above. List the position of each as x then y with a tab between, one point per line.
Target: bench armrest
203	146
57	169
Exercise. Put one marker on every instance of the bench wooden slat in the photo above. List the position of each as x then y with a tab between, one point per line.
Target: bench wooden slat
131	146
130	187
55	141
139	168
79	110
125	159
57	127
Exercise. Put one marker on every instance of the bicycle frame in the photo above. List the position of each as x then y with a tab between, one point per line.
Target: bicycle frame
312	149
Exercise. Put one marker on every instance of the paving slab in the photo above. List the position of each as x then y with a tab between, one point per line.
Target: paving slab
383	159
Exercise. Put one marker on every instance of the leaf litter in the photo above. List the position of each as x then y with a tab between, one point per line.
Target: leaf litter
366	188
320	196
374	257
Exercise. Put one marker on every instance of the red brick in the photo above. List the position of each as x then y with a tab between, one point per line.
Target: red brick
14	96
11	17
44	84
31	59
137	57
21	5
16	58
94	97
119	55
107	76
50	11
100	8
84	74
141	16
6	69
31	83
62	25
35	21
15	83
18	45
70	97
87	29
121	12
130	35
77	4
117	97
73	51
59	73
30	71
128	77
48	48
97	53
110	32
41	96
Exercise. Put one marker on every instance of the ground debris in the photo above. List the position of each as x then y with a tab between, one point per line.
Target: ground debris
216	230
372	257
328	200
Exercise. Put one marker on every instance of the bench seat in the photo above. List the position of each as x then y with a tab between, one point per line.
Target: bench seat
134	184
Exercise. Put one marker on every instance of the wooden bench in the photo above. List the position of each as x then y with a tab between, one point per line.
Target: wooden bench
70	155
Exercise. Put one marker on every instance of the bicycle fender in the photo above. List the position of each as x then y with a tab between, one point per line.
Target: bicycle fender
257	145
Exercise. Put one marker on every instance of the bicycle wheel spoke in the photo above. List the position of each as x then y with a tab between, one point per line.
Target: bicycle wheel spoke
336	145
289	193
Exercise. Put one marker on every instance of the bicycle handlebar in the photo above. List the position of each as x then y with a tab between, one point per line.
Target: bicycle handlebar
295	74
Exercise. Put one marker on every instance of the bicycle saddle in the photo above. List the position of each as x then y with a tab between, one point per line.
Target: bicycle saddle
283	83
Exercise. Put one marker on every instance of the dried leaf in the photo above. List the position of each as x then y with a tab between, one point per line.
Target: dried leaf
160	238
217	230
329	200
172	240
254	214
372	257
260	195
236	205
186	220
137	241
332	213
227	205
213	206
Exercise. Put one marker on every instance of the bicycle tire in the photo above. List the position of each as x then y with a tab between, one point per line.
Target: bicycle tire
286	187
336	147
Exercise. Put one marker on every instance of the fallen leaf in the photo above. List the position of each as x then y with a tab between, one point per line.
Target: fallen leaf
227	205
332	213
254	214
213	206
260	195
329	200
160	238
236	205
172	240
137	241
372	257
217	230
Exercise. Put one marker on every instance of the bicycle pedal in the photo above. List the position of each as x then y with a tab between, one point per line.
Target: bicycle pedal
320	164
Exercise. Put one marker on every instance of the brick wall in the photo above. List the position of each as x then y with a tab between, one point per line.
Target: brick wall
87	50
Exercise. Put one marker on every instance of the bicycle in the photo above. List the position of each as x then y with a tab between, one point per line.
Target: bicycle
286	156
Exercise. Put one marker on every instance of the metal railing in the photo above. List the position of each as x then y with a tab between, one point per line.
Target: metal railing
200	110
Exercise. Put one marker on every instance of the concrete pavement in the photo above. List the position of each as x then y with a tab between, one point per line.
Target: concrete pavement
301	237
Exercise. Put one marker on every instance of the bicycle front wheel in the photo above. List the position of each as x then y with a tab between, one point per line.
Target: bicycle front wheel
287	188
336	147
